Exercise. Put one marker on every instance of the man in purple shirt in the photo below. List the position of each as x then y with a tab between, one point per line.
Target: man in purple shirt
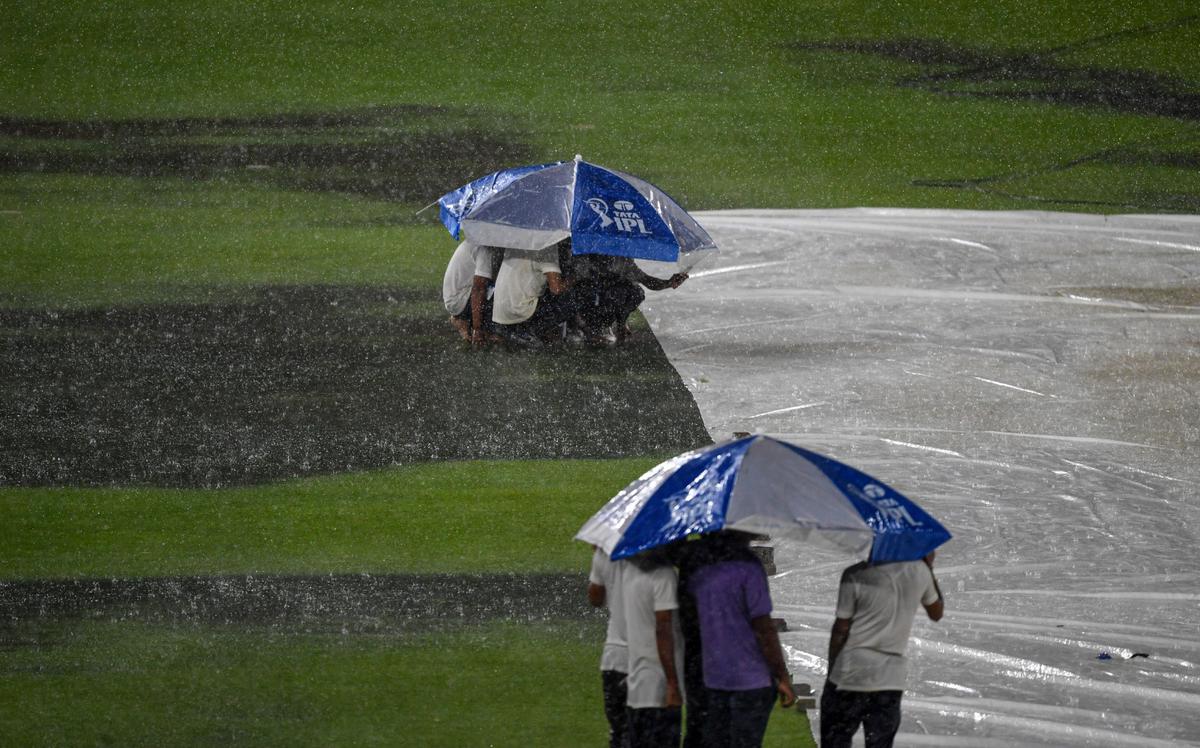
742	661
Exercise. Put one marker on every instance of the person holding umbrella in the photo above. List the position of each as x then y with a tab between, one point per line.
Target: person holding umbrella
759	484
603	212
867	670
742	660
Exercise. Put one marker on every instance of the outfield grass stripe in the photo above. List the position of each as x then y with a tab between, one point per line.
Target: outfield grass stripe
449	517
330	602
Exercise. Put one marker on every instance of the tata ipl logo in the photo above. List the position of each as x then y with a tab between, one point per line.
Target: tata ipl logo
876	496
623	215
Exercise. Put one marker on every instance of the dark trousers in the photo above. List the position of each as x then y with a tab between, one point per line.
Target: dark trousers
604	303
546	324
843	711
654	728
697	707
738	718
614	707
552	311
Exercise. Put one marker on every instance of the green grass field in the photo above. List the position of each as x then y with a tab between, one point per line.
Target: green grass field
721	104
137	684
96	679
433	518
81	241
141	685
156	153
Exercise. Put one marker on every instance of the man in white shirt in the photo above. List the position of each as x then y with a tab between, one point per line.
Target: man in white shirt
655	699
604	589
867	670
531	298
465	290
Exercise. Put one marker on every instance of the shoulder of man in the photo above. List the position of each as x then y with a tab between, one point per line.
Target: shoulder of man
665	583
601	564
918	569
850	572
665	573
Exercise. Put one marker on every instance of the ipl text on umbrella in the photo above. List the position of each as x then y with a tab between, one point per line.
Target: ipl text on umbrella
623	215
876	496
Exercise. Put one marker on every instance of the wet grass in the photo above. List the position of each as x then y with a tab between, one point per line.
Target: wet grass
366	604
87	241
1164	166
398	153
192	333
1037	74
185	171
479	516
141	346
297	381
104	683
133	684
721	104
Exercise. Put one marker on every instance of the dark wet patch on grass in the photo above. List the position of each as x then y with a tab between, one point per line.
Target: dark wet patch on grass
1021	185
1035	75
403	153
299	381
309	122
355	603
1174	159
1042	75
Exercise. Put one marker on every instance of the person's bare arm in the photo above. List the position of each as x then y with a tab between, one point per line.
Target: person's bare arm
837	639
768	643
649	281
557	283
656	284
935	609
478	294
664	637
596	594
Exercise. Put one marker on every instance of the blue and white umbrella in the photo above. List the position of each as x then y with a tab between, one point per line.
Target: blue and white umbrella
603	211
763	485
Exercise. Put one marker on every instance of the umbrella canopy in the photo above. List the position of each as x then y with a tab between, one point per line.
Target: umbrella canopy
763	485
603	211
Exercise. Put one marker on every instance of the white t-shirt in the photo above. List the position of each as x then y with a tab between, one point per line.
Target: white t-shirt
880	601
607	573
643	594
468	261
520	282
